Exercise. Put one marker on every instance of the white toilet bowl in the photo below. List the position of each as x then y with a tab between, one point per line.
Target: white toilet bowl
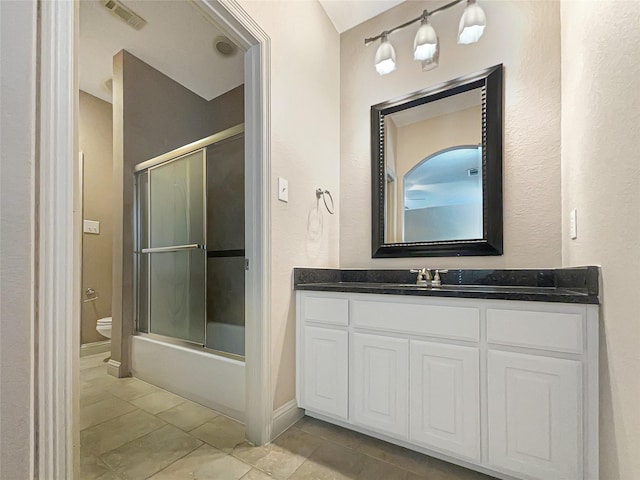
104	327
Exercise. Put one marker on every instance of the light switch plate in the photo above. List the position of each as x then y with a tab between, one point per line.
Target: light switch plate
91	226
573	224
283	189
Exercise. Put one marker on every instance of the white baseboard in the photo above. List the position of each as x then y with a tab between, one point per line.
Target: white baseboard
113	368
284	417
94	348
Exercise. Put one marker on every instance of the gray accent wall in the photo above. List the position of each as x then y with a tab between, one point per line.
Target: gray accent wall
225	232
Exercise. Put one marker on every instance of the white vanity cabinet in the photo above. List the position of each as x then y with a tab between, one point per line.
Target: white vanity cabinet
534	415
323	355
507	388
380	383
445	398
326	366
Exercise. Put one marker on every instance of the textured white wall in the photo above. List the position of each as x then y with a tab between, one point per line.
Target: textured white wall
17	212
305	139
600	172
525	37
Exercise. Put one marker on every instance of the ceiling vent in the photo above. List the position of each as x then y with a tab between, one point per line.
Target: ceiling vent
125	13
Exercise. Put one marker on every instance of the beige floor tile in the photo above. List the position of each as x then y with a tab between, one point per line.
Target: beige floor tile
109	476
275	461
151	453
255	474
102	411
331	462
440	470
334	433
94	373
92	361
93	395
205	463
297	441
221	432
379	470
401	457
157	402
99	381
188	415
131	389
282	457
118	431
91	467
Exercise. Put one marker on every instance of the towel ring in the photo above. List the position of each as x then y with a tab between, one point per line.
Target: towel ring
322	193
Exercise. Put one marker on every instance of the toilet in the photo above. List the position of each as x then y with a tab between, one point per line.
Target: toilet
104	327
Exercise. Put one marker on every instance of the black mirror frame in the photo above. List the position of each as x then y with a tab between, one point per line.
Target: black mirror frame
490	80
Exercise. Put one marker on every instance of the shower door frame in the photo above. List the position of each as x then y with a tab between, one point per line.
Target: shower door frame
147	166
54	439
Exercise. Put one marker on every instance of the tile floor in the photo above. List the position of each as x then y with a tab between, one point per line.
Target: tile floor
133	430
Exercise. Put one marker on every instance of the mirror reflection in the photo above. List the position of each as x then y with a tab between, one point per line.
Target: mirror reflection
433	171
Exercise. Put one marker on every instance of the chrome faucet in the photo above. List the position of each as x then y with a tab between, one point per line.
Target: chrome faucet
424	276
436	278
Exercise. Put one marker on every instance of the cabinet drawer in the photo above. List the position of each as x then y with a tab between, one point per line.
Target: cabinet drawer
333	311
461	323
561	332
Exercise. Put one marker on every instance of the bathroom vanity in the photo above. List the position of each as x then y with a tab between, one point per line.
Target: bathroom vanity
496	371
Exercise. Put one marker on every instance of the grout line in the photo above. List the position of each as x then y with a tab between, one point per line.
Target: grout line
178	459
105	421
128	441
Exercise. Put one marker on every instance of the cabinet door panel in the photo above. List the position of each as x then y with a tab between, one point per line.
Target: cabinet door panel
534	415
444	400
381	371
326	370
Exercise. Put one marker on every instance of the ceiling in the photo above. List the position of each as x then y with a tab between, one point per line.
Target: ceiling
346	14
177	40
444	106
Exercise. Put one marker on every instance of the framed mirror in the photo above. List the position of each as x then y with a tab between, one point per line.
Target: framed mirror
437	170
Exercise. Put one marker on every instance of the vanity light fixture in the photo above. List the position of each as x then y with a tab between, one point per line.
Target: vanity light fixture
426	47
472	23
385	60
425	44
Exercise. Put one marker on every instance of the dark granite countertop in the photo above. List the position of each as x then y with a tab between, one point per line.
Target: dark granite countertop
565	285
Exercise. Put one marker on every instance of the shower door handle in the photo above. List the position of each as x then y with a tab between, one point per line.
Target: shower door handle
176	248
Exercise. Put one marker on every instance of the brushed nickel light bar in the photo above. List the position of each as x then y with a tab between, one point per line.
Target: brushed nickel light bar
426	48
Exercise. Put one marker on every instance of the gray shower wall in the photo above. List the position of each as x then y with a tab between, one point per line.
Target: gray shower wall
225	235
152	114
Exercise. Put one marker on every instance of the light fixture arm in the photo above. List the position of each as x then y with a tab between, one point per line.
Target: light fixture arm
425	14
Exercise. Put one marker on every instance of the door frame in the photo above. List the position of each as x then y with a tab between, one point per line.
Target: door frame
59	227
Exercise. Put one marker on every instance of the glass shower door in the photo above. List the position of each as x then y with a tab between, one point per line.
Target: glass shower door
176	253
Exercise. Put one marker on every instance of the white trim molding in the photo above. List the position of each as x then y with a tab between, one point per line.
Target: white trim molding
257	45
284	417
95	348
57	318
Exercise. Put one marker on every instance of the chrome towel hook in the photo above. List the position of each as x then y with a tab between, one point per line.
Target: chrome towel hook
324	194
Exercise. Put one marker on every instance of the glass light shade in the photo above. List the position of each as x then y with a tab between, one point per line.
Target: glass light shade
425	43
472	23
385	59
431	63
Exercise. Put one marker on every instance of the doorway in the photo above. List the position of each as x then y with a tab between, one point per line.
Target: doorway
59	343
